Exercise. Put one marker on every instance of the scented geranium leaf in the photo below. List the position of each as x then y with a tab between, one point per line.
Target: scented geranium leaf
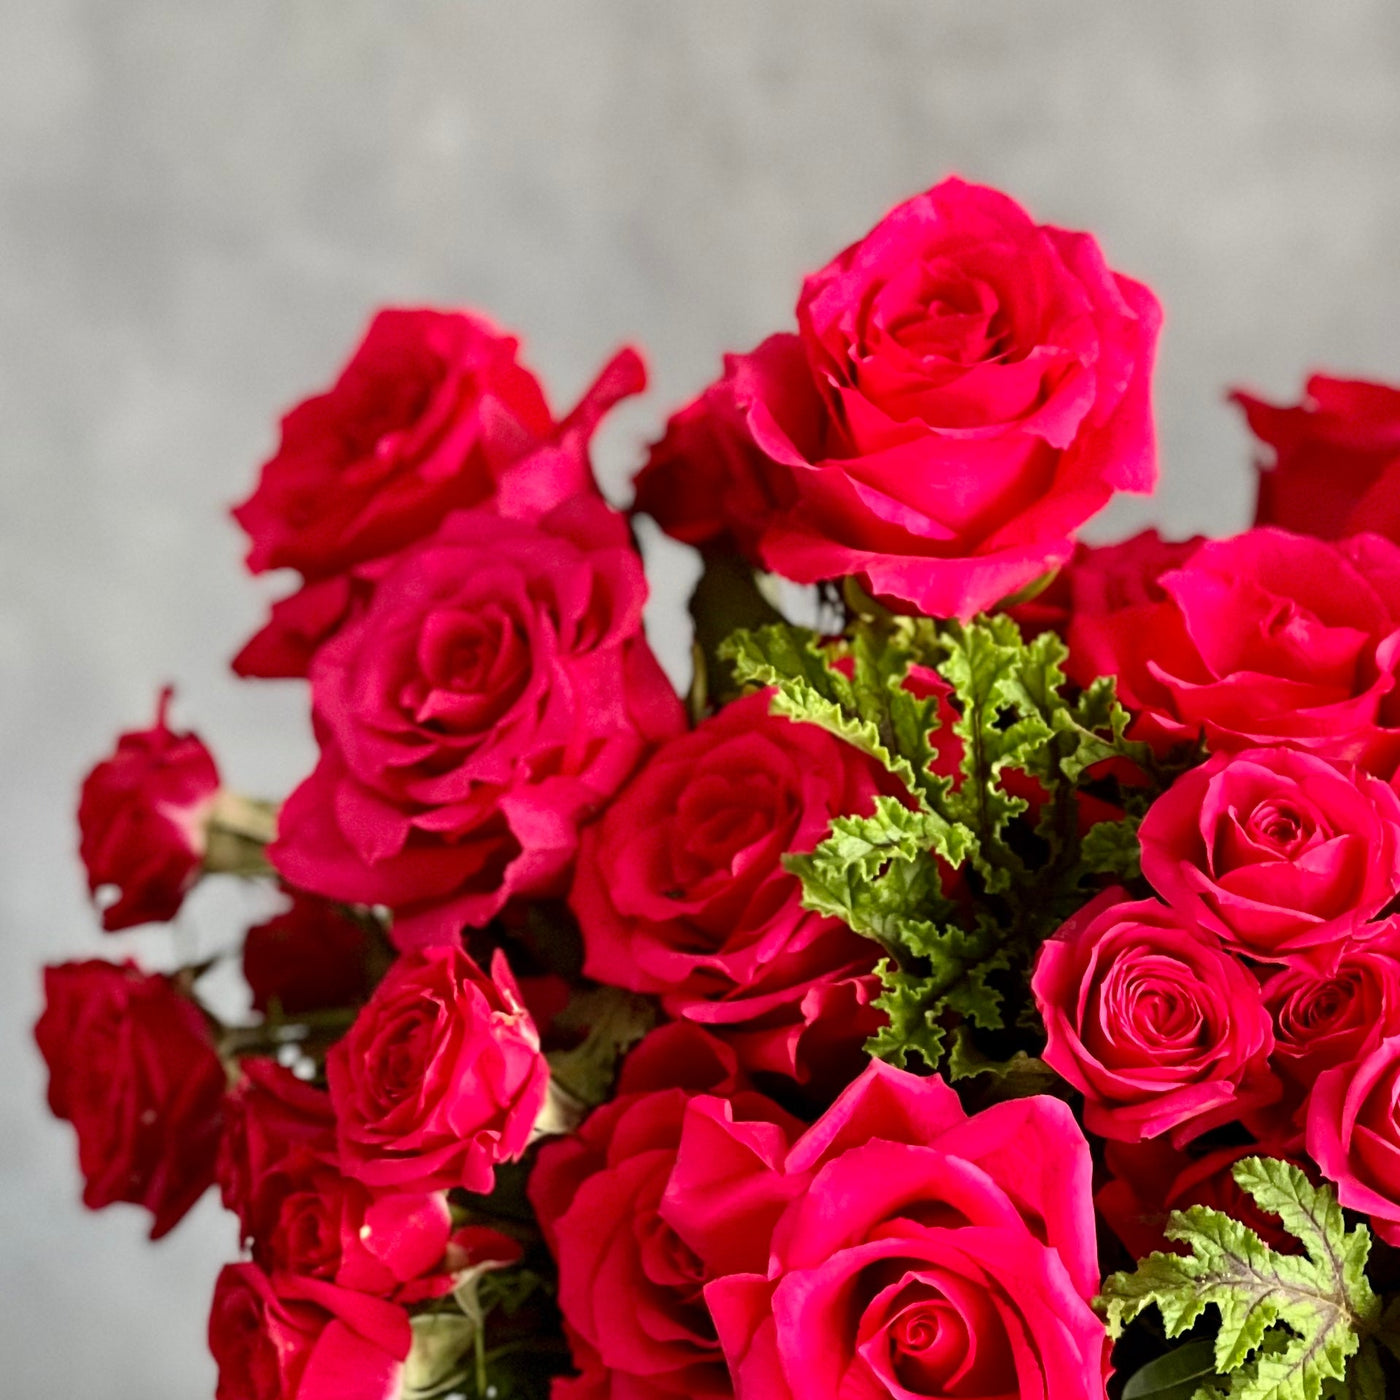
912	1025
1111	848
1288	1323
611	1021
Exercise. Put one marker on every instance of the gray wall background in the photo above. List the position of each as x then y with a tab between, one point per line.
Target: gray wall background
201	202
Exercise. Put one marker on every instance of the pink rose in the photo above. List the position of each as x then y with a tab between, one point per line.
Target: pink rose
496	691
432	414
307	958
1336	459
1275	851
964	390
133	1068
1158	1027
291	1338
1335	1014
920	1252
1354	1134
440	1077
631	1288
269	1116
680	887
1266	638
143	815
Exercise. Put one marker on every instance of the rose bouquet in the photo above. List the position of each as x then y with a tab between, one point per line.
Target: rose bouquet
989	990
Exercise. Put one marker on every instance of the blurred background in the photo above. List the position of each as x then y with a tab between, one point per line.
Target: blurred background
200	204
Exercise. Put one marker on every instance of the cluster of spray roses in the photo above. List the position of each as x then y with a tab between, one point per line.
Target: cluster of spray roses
556	1084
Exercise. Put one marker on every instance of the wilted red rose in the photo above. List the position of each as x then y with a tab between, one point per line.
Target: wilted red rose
680	887
310	956
600	1197
440	1077
916	1251
133	1069
964	390
495	693
1335	469
1265	638
294	1338
433	413
1158	1027
1275	851
142	816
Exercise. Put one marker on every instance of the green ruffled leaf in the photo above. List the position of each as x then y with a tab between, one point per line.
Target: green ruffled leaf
1292	1327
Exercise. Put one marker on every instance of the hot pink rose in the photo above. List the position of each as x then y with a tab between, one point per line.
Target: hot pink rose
680	888
630	1287
1266	638
143	815
1275	851
309	957
1335	468
495	693
440	1077
920	1252
1335	1014
301	1339
133	1068
964	390
1158	1027
432	414
1354	1134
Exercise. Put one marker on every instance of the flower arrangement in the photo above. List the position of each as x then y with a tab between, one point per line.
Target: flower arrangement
991	990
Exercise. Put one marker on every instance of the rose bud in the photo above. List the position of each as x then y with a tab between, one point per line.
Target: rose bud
1158	1027
439	1078
301	1339
1275	851
307	958
1267	638
1336	459
433	413
964	390
143	817
903	1248
1354	1135
133	1069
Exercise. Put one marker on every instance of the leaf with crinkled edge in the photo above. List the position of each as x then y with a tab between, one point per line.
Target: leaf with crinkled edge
871	711
1288	1323
1111	848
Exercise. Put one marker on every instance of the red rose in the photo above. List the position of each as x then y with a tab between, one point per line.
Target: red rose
919	1252
1354	1134
1152	1179
680	887
440	1077
706	482
299	1339
432	414
630	1287
1266	638
132	1068
1336	459
1275	851
309	957
269	1116
142	815
1157	1026
495	693
965	389
1337	1014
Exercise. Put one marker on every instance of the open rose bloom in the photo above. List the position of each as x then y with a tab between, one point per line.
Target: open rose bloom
856	1023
